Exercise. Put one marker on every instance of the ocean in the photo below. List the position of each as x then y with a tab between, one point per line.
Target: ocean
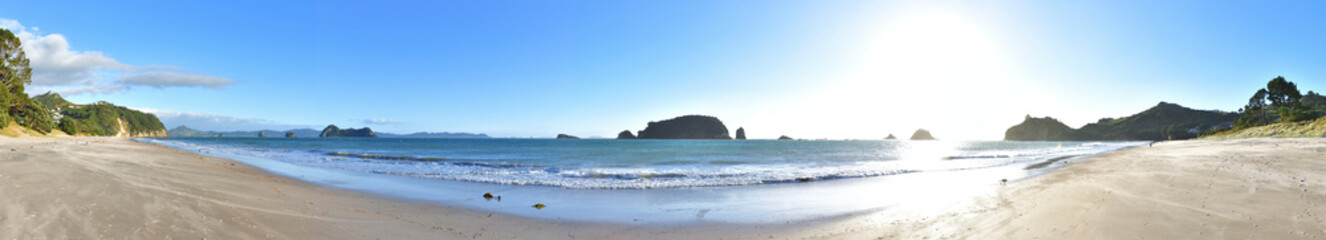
750	177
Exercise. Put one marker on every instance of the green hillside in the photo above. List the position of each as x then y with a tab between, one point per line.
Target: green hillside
101	118
1165	121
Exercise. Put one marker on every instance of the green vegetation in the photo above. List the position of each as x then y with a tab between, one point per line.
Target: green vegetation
102	118
39	113
1279	110
1315	128
52	100
1165	121
1279	102
15	105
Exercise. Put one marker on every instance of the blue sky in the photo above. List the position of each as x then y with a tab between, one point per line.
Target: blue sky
807	69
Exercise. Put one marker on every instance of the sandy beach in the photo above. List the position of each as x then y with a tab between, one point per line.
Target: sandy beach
112	188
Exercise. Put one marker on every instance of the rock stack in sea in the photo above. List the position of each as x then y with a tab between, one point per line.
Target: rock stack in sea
922	134
625	134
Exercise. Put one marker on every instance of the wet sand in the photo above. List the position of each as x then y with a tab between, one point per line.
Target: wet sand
110	188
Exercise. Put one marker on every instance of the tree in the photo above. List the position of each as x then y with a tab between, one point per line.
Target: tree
1285	105
1254	114
1286	100
14	74
14	70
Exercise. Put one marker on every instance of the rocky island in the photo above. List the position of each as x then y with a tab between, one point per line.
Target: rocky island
686	127
625	134
922	134
566	136
333	131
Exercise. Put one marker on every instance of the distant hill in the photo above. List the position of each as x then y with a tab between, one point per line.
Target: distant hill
52	100
433	135
184	131
101	118
1165	121
686	127
1042	129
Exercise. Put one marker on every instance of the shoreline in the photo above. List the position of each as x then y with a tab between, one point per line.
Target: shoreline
752	204
111	188
152	191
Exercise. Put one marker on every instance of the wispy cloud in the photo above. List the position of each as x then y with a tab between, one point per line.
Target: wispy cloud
175	79
214	122
56	67
382	121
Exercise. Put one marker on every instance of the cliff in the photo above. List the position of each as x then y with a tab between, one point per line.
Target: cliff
1042	129
333	131
686	127
922	134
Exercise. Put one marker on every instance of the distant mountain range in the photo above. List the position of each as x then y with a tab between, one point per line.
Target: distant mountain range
184	131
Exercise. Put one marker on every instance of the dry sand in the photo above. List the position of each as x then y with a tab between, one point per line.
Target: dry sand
1233	189
109	188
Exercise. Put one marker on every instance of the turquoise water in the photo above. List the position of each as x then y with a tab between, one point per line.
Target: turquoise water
640	164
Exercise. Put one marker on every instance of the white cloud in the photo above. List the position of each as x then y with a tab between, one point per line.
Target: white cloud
381	121
57	68
175	79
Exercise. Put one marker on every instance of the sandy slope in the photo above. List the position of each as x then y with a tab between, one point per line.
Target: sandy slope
108	188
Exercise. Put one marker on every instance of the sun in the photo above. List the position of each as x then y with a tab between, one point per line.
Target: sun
924	68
